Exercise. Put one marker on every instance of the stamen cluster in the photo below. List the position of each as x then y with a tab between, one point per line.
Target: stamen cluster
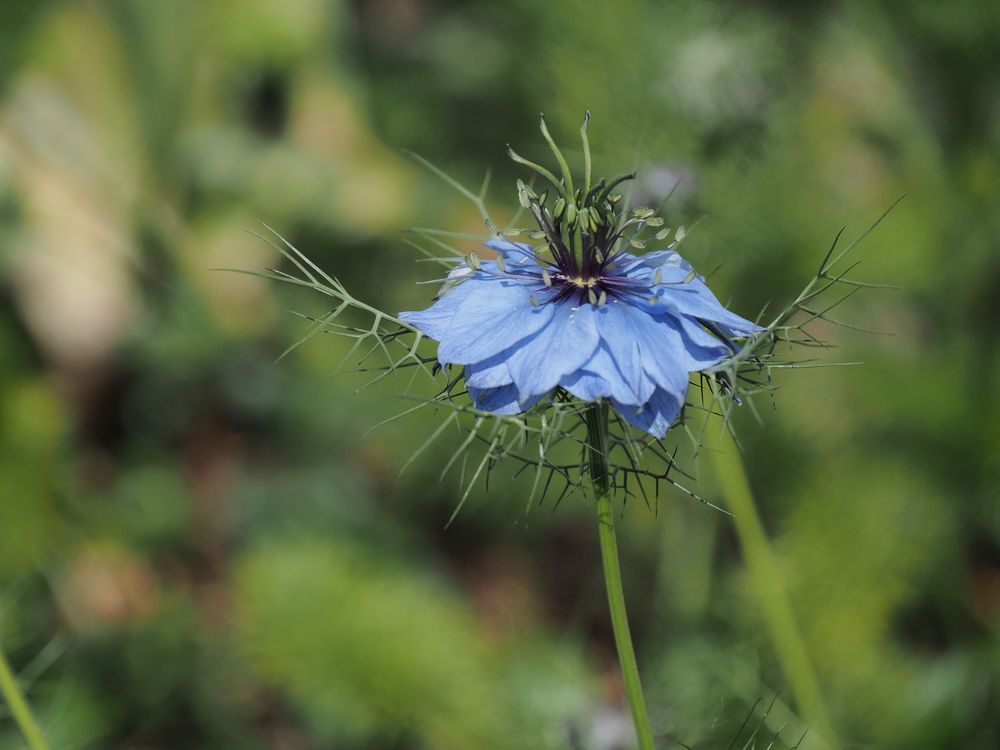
583	230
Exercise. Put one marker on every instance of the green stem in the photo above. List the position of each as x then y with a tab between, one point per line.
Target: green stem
766	578
597	432
19	708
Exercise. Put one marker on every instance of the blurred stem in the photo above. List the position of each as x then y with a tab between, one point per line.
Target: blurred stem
766	578
597	439
19	708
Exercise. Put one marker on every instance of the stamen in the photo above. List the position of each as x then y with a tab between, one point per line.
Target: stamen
571	214
472	261
524	194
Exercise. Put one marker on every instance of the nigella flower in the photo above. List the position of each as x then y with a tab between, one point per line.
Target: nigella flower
579	313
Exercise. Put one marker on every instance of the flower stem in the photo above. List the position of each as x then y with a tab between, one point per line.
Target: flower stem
597	439
766	578
19	708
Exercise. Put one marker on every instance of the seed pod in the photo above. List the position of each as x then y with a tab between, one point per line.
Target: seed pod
583	216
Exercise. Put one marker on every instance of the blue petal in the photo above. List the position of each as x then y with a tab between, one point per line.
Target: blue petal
600	377
502	400
656	415
561	347
627	334
665	354
495	318
681	293
672	267
434	321
514	253
490	373
701	346
696	300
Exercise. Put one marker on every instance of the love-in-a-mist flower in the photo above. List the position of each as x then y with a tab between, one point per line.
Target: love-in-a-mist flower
577	312
570	324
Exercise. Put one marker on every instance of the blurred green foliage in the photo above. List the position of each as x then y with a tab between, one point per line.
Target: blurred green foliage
197	547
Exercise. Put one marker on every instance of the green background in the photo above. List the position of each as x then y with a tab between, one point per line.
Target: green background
198	548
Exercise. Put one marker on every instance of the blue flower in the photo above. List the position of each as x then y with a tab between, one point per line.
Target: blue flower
578	313
599	324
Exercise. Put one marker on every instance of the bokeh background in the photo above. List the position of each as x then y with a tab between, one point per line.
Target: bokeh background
198	548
